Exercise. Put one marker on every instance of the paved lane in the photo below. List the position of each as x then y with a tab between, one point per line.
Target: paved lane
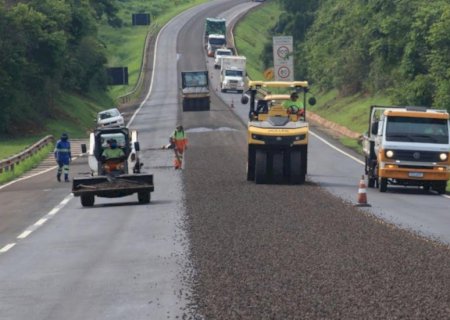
119	259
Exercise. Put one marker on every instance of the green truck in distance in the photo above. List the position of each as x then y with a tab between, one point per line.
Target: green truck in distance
215	35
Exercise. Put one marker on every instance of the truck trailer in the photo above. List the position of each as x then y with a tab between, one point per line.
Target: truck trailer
195	94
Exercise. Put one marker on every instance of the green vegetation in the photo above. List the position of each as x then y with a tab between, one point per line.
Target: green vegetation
57	83
251	36
26	165
125	48
14	146
397	48
356	54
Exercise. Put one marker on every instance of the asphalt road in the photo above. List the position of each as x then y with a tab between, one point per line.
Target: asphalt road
339	170
117	260
210	243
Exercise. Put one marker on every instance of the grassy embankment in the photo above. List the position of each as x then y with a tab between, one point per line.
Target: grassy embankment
253	32
352	112
124	48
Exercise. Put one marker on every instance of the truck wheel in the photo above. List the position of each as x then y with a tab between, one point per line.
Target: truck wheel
440	187
144	197
371	182
87	200
382	183
297	168
277	167
251	164
260	167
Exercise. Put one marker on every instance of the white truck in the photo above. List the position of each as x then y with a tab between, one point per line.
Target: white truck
219	54
232	73
214	42
407	146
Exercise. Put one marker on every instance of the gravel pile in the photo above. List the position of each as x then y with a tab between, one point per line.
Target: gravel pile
297	252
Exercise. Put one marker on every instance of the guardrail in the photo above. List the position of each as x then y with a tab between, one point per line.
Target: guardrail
152	31
8	164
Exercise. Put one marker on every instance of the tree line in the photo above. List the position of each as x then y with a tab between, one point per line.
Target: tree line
47	46
400	47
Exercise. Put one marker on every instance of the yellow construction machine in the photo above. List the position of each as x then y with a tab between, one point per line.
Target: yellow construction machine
277	133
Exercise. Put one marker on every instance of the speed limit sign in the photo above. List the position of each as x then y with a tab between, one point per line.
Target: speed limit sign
283	58
284	73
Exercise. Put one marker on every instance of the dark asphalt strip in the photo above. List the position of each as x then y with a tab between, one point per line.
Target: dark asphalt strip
297	252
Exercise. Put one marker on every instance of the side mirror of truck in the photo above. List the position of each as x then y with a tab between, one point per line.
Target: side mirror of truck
374	130
312	101
83	148
137	147
244	99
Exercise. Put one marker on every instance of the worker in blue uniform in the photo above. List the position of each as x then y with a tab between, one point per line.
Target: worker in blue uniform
63	157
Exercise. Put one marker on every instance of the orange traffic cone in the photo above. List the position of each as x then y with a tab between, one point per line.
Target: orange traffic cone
362	196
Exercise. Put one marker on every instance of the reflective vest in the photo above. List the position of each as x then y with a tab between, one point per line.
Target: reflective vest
296	104
179	138
178	135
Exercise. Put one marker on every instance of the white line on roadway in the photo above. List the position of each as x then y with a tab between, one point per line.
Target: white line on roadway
337	149
40	222
7	247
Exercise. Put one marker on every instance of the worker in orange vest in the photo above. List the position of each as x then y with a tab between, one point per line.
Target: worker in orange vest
179	142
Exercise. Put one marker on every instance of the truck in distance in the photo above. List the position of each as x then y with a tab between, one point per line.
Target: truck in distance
215	35
195	94
232	73
222	52
215	41
407	146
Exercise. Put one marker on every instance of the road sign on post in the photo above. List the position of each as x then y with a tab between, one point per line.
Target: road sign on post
117	75
283	58
140	19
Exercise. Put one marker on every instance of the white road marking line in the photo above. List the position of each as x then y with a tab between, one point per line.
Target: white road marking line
66	200
53	211
40	222
25	234
28	177
7	247
337	149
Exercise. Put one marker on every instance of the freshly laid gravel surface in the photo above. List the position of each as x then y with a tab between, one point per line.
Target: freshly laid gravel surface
297	252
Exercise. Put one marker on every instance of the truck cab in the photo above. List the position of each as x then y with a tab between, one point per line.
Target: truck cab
126	141
215	41
233	73
407	146
222	52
